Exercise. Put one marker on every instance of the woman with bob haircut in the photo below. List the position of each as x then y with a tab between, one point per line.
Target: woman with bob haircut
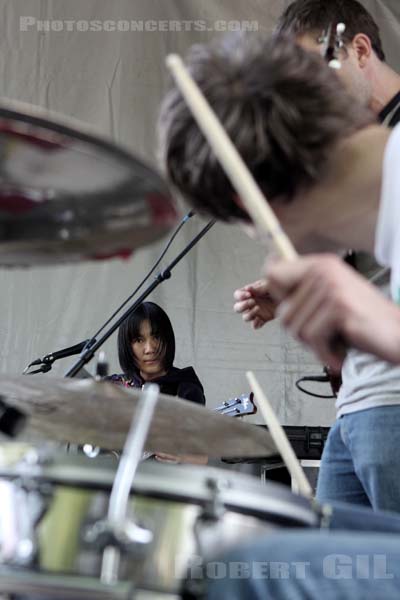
146	352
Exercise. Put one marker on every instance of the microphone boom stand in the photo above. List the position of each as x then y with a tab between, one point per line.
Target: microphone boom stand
88	353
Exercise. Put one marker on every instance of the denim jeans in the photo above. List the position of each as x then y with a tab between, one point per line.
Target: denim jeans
357	558
359	463
310	566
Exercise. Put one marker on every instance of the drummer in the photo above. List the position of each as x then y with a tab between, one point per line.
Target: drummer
146	352
327	169
318	154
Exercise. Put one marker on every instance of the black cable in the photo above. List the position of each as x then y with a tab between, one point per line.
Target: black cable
141	284
45	365
88	352
318	378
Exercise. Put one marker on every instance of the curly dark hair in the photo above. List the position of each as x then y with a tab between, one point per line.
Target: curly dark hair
315	16
283	108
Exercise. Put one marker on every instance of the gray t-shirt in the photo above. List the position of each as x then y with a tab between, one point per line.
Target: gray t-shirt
367	381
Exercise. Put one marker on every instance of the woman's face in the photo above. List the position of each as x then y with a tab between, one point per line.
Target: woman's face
145	349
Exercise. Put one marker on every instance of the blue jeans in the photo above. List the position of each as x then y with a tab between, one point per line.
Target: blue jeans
359	463
310	566
357	559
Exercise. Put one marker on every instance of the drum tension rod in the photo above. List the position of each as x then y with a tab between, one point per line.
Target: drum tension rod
214	507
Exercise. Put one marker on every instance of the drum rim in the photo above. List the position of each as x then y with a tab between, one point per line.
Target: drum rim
26	581
181	484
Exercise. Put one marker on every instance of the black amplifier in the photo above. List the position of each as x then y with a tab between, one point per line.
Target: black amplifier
307	442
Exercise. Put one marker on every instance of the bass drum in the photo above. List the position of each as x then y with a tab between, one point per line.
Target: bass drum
54	507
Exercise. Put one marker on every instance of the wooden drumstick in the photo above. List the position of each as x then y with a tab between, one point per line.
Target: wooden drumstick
279	436
242	180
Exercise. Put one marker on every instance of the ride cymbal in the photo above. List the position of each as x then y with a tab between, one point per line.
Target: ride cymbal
99	413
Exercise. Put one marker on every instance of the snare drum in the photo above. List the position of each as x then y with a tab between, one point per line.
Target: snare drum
52	505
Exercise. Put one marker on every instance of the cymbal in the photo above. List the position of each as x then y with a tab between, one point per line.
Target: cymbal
99	413
68	195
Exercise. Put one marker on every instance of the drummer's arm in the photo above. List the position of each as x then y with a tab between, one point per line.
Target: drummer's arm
193	459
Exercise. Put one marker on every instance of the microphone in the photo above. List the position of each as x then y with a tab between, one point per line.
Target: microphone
188	216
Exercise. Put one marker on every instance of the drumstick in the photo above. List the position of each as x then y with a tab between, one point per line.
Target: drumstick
279	436
250	194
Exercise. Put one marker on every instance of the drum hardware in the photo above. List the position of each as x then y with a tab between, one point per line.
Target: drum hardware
102	369
121	535
214	507
325	511
170	498
18	546
91	451
18	583
128	538
29	500
208	521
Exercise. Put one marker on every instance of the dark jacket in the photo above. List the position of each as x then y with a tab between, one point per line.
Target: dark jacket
177	382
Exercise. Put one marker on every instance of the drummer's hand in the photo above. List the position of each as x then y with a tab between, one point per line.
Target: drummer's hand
321	297
255	304
167	458
195	459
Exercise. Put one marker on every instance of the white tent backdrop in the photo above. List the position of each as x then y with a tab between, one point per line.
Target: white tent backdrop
114	80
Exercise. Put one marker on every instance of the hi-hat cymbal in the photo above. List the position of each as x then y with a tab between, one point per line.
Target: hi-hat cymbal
67	195
99	413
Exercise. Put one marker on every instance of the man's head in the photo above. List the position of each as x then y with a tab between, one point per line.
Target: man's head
282	106
308	20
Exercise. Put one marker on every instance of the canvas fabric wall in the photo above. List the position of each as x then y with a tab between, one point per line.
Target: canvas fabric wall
114	80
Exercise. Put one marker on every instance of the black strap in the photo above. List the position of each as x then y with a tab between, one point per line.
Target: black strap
391	107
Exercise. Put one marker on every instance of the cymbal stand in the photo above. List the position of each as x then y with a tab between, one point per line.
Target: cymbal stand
118	533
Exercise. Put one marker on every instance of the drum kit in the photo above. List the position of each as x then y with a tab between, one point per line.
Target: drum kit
113	526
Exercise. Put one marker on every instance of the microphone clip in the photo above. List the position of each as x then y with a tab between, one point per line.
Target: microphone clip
44	368
47	361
